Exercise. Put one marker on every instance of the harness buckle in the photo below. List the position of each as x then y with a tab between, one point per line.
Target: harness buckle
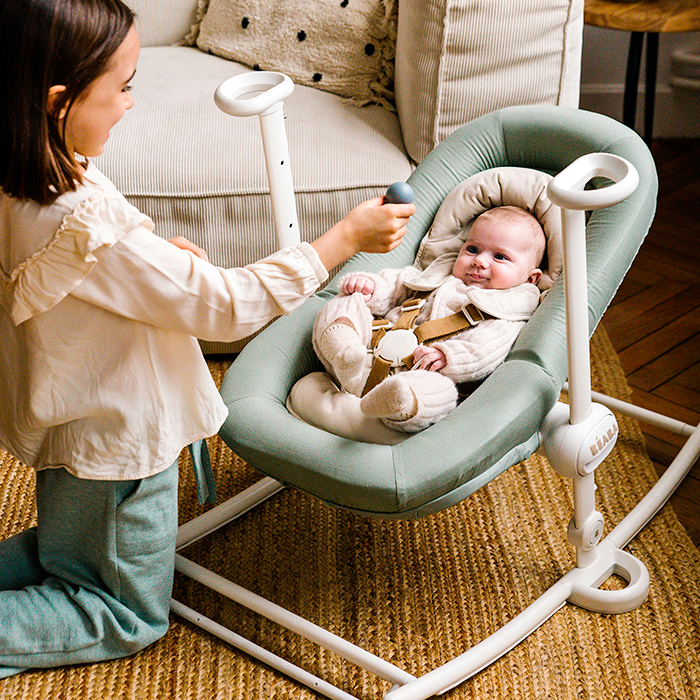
413	304
395	346
379	323
473	314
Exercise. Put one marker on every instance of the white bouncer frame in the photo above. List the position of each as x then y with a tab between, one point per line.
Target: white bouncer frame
565	434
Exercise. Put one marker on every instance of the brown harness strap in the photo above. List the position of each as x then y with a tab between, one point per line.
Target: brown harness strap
379	372
380	326
410	310
468	317
459	321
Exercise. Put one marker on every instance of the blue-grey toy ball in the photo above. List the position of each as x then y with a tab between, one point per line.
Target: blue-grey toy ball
399	193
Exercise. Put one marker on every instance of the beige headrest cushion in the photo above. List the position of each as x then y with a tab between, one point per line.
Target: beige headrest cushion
518	187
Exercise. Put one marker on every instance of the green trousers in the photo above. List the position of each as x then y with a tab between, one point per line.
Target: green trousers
93	580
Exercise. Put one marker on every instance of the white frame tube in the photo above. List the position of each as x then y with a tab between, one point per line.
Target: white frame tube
292	622
233	96
659	494
642	414
259	653
576	299
227	511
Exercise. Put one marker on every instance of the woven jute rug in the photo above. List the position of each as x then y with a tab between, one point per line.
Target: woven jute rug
416	593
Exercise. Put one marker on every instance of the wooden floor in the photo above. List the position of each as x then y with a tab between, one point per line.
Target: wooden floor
654	321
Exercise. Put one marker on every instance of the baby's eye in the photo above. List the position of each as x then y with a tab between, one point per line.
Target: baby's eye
127	88
472	249
500	256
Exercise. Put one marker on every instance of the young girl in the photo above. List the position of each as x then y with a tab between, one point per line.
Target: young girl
102	382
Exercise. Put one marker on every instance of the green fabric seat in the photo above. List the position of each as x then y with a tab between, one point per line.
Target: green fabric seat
497	425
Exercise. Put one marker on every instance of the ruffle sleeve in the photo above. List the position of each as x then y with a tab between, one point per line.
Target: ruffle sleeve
50	274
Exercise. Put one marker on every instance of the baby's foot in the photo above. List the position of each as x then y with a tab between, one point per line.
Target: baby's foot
342	347
411	401
392	399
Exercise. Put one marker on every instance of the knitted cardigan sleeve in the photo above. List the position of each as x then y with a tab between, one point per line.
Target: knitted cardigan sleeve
475	353
389	289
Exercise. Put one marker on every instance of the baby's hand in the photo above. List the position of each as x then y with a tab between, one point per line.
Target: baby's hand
429	358
359	283
182	242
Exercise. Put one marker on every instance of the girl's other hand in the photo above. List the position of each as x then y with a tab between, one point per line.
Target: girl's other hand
184	244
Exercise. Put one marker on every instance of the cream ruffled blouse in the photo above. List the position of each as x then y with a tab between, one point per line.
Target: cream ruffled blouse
100	371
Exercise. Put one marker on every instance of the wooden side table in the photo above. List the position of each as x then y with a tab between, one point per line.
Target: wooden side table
643	18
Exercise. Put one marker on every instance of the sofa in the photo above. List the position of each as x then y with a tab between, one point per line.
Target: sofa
378	84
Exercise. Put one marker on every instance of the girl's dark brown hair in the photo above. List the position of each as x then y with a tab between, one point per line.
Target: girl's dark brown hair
46	43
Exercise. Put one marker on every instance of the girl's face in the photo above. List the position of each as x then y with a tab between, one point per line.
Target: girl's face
95	112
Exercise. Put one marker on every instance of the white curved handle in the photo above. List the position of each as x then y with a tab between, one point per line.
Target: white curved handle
274	89
566	189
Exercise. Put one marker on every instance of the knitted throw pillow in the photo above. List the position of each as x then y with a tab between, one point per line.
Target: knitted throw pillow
345	47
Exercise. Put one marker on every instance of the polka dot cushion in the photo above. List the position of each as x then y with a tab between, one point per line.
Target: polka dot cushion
345	47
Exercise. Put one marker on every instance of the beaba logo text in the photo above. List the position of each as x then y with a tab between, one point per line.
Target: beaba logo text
602	441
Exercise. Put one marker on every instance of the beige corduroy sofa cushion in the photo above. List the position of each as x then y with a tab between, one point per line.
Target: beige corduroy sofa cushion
458	60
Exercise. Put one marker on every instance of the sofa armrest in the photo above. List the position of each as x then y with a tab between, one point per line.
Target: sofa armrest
456	61
163	22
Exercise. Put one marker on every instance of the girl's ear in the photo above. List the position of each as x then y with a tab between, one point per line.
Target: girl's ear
55	91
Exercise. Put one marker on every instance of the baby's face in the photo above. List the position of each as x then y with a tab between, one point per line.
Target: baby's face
496	256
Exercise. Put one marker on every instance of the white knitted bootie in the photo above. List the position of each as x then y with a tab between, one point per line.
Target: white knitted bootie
341	334
411	401
344	351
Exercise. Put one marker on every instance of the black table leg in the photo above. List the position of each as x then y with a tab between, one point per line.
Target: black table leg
650	85
634	60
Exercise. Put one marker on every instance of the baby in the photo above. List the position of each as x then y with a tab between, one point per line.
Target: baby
475	315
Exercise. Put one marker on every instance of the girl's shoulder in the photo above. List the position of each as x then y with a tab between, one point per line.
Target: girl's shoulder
51	249
93	209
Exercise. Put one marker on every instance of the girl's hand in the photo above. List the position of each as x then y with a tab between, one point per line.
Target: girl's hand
359	283
182	242
375	227
371	227
429	358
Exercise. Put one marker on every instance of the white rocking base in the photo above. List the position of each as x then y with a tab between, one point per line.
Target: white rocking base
579	586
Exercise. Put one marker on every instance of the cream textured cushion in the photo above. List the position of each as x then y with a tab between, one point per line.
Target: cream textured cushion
345	47
458	60
518	187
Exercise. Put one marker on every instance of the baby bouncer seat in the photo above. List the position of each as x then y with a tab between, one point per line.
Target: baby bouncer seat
498	425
